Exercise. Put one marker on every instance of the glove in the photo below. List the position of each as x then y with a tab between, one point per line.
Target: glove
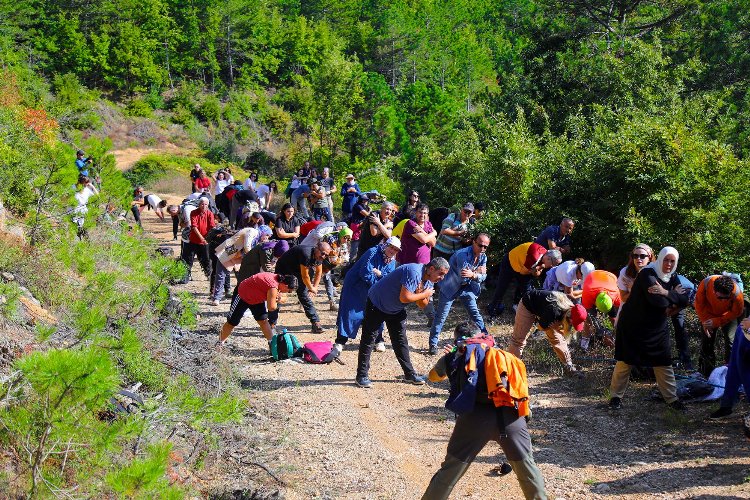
273	316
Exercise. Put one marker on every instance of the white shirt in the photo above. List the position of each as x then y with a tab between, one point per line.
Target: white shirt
566	274
153	201
221	185
262	193
624	282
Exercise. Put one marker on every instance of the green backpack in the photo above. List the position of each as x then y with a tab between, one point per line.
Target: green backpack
284	345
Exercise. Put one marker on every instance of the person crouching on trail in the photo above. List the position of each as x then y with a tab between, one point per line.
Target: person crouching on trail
555	313
261	294
488	417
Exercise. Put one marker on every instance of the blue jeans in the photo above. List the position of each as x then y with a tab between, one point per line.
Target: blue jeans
469	301
319	213
222	275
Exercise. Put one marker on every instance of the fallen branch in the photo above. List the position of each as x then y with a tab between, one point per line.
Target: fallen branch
265	468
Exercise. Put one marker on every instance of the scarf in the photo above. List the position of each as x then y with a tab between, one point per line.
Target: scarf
657	266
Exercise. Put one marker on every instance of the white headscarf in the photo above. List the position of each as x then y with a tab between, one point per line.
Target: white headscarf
657	266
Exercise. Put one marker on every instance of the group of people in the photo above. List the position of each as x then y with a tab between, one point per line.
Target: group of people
391	257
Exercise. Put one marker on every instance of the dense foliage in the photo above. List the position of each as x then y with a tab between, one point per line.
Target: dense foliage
631	116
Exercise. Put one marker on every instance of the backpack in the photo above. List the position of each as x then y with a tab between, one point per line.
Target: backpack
284	345
314	352
463	392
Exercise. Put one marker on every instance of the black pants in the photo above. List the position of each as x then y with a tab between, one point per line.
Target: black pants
175	226
507	274
681	339
190	250
707	359
307	303
396	324
136	214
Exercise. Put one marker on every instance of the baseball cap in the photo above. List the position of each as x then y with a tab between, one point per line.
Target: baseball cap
350	176
469	206
578	317
394	242
603	302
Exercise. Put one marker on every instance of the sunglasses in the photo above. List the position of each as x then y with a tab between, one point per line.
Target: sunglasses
723	297
640	256
468	212
482	246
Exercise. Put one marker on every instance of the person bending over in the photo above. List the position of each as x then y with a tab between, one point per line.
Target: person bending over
261	293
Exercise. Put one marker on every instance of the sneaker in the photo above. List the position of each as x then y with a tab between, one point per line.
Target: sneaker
363	382
678	406
615	403
213	302
433	350
334	306
317	328
415	379
572	371
380	347
723	411
334	354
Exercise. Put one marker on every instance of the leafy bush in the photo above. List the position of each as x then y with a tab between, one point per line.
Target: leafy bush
138	106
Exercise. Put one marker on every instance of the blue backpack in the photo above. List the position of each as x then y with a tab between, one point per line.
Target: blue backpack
463	391
284	345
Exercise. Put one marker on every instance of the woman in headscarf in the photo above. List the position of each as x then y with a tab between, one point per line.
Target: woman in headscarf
642	337
640	257
375	263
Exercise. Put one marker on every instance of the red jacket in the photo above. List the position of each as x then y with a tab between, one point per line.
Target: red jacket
201	221
707	306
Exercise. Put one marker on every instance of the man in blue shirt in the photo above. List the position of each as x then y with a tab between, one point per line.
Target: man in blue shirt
386	303
468	269
82	164
299	200
557	236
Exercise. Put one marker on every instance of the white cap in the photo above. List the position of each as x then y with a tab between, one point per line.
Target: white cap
394	242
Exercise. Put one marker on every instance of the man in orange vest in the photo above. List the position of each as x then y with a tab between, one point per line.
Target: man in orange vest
718	303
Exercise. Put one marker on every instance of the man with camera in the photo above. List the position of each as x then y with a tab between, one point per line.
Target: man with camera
454	230
376	228
83	164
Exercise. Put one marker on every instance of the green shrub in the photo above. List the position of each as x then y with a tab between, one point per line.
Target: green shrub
210	109
138	106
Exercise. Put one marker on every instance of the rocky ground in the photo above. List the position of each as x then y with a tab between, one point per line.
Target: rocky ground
313	433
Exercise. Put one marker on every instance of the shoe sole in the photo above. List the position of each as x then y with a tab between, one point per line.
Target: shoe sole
414	382
363	386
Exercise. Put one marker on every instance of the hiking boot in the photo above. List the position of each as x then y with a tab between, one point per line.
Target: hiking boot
433	350
678	406
615	403
334	306
317	328
213	302
380	347
363	382
414	379
723	411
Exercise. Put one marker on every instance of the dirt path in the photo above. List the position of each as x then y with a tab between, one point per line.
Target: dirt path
126	158
327	438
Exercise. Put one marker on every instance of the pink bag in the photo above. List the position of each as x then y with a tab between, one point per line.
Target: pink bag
314	352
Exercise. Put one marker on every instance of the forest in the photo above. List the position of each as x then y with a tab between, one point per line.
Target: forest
630	116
